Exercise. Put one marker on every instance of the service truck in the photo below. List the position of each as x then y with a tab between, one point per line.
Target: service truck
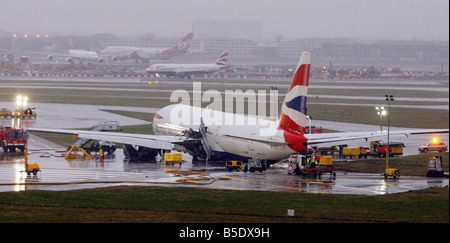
394	149
301	165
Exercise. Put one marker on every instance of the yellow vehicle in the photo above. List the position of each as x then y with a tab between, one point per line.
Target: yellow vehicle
173	158
24	114
351	151
5	113
31	168
234	164
326	160
391	172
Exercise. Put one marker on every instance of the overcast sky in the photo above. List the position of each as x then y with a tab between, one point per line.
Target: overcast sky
364	19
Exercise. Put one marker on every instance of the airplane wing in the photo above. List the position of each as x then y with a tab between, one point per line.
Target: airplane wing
144	140
168	142
54	54
318	138
184	71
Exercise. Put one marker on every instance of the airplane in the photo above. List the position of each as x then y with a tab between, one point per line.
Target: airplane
121	53
213	135
183	70
72	55
79	55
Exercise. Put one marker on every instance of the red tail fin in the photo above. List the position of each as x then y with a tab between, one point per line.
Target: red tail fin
182	47
293	111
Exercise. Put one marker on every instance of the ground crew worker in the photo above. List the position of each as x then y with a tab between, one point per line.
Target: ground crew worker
313	161
101	154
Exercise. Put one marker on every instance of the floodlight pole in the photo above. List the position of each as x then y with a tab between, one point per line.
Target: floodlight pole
389	98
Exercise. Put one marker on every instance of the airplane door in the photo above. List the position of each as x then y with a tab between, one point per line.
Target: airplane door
251	143
216	136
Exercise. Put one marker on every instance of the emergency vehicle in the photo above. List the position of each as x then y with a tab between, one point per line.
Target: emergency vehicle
12	139
434	146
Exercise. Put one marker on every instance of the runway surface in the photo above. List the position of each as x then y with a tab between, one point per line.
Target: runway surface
61	174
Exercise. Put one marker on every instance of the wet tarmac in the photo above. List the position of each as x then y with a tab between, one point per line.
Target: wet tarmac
59	174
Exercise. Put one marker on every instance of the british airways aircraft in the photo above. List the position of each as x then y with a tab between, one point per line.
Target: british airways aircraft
219	136
183	70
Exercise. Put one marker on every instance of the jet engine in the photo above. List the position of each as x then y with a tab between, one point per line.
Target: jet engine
137	153
50	57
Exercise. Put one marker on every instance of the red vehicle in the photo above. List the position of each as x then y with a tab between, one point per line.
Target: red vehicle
12	139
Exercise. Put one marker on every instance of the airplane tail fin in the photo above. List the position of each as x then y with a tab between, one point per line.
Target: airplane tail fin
185	43
293	111
223	58
182	46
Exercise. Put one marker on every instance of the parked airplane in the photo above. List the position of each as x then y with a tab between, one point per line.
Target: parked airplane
215	135
79	55
183	70
121	53
73	55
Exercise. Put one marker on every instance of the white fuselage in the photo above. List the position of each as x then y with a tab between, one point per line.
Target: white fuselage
184	68
147	53
227	134
83	55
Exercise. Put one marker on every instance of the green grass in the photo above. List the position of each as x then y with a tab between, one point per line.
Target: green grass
151	204
193	205
413	165
400	117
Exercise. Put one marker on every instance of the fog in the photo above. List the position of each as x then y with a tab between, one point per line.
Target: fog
362	19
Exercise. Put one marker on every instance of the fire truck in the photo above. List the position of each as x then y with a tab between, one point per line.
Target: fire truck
12	139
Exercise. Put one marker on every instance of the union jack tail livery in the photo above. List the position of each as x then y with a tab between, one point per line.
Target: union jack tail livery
222	60
293	111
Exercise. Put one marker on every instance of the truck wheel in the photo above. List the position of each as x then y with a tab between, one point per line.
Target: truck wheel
34	172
